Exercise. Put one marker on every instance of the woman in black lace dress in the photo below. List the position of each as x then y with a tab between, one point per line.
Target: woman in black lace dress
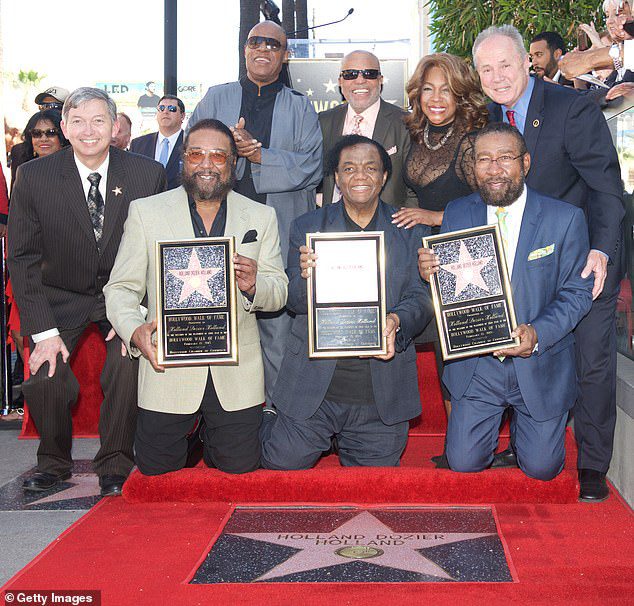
447	107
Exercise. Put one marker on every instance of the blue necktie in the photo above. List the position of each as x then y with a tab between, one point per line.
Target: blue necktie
165	152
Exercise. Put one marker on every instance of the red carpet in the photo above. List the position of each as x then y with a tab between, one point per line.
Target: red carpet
415	481
142	554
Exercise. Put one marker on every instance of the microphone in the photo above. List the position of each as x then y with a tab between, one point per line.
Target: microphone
307	29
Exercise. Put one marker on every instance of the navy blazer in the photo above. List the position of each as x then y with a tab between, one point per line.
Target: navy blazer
146	146
573	159
548	292
302	382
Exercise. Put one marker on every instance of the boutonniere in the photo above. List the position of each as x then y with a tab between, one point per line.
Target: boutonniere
117	191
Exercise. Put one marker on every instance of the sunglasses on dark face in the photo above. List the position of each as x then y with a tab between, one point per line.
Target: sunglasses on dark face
353	74
197	156
51	105
38	133
270	44
169	108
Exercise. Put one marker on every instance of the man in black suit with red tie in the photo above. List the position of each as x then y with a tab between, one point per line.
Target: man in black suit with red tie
66	219
573	159
166	145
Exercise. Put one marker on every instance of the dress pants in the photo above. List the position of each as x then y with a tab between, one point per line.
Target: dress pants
274	328
50	401
595	409
230	438
362	438
474	423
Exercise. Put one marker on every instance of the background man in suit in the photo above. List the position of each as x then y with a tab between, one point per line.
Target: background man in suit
546	246
166	145
279	154
229	397
365	402
573	159
67	215
365	113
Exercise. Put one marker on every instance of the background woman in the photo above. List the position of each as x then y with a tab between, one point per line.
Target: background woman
447	107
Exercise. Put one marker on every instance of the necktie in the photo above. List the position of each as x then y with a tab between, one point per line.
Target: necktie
501	214
510	115
95	205
165	152
356	129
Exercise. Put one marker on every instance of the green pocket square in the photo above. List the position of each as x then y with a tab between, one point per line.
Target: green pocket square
538	253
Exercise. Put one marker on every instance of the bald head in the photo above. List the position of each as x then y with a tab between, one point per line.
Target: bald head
362	91
263	58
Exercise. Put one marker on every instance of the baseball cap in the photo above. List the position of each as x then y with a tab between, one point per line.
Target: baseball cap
57	92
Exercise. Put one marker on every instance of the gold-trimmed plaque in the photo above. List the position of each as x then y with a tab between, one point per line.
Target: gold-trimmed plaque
196	302
471	292
346	295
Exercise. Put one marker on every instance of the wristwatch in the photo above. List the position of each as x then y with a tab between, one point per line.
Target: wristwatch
615	54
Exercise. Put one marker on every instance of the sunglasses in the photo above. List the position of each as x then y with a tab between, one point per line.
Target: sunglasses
353	74
51	105
196	156
270	44
37	133
169	108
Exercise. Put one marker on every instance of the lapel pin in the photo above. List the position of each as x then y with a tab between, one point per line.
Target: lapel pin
535	123
117	191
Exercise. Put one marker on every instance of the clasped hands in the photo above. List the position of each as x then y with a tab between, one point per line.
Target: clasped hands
308	260
248	147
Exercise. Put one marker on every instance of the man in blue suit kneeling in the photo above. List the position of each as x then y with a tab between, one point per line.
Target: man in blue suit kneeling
364	402
546	248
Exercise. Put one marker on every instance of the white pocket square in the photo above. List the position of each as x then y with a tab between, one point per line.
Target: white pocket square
539	253
392	150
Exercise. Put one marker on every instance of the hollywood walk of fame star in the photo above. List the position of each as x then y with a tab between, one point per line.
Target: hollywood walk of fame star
309	92
117	191
467	270
195	278
81	485
316	553
330	86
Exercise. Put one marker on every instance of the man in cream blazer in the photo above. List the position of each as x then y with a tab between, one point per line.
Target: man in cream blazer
229	397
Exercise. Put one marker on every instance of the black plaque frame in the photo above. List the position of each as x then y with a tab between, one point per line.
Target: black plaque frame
475	323
192	332
323	316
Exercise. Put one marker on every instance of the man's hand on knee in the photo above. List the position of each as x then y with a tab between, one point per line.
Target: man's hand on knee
46	351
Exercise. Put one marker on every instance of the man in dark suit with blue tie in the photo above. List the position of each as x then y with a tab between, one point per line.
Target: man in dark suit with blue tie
165	146
546	244
573	159
365	402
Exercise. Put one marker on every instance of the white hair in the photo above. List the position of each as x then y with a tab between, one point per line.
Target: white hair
508	31
86	93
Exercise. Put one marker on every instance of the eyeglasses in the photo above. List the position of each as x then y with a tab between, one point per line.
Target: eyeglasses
353	74
503	161
169	108
269	43
197	156
37	133
51	105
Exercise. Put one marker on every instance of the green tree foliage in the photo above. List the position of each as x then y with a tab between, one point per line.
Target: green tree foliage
455	25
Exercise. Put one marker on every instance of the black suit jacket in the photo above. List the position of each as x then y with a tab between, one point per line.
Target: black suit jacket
573	159
390	132
146	146
56	269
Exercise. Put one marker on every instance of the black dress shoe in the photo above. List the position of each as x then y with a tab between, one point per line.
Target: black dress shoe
506	458
42	480
111	485
592	486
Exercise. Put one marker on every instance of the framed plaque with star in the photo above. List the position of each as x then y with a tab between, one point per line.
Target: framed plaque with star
346	295
196	302
471	292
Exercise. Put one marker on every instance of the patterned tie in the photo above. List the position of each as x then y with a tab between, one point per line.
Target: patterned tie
95	205
501	214
165	152
356	129
510	115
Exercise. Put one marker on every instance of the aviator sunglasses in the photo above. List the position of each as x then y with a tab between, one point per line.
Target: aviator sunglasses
169	108
353	74
270	44
196	156
37	133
